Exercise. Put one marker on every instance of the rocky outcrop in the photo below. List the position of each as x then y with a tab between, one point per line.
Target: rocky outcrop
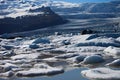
30	22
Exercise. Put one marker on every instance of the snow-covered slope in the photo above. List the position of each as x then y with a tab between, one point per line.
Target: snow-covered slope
87	10
107	7
22	7
62	4
11	6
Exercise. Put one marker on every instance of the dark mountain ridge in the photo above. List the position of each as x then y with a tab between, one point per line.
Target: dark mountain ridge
30	22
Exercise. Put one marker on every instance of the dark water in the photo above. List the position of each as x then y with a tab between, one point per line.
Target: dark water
74	74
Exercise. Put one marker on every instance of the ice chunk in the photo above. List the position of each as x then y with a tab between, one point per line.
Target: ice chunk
7	74
100	41
8	67
41	40
118	39
65	56
40	69
33	46
24	65
77	59
66	42
25	56
115	63
102	74
92	36
93	59
79	38
6	53
8	47
112	51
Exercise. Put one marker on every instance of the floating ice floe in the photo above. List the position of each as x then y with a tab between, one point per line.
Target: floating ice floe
84	43
90	36
8	47
77	59
25	56
68	55
41	40
20	61
40	69
24	65
60	40
81	38
89	50
8	67
33	46
102	74
115	63
18	39
93	59
100	41
66	42
118	39
57	51
7	74
6	53
112	51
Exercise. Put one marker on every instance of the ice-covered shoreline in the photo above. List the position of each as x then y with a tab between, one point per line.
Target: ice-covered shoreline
35	56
